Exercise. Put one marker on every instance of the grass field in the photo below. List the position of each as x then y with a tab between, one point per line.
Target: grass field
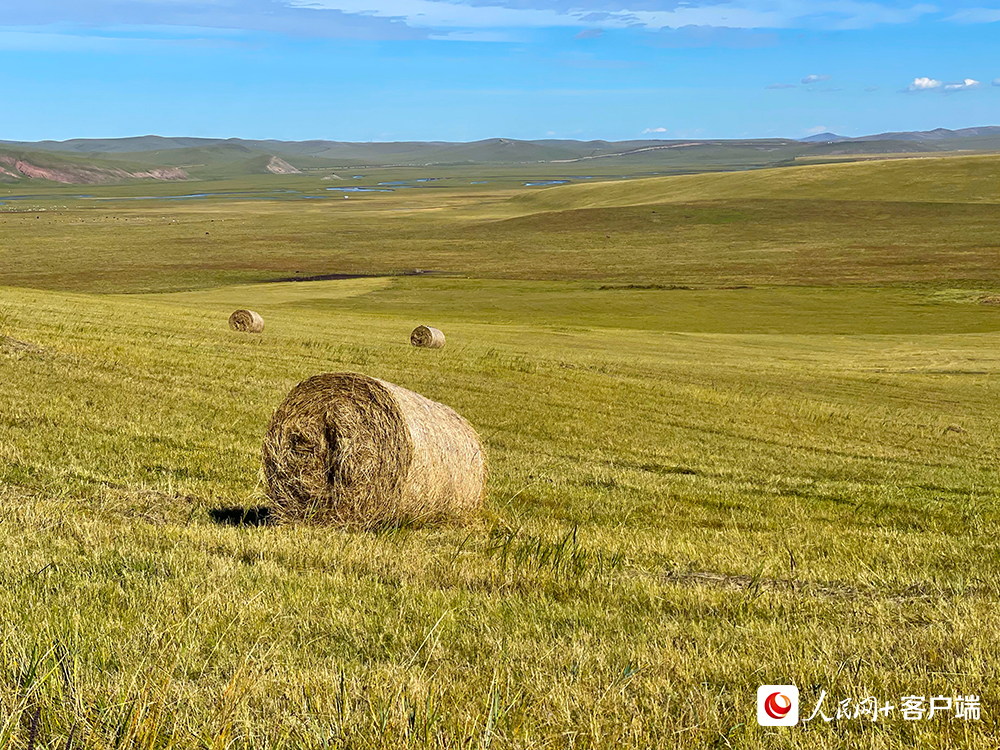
693	491
925	221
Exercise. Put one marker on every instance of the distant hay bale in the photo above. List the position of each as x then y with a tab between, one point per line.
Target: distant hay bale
246	320
349	450
989	299
427	337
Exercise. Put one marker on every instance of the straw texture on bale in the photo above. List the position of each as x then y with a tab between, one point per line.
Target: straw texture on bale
427	337
246	320
350	450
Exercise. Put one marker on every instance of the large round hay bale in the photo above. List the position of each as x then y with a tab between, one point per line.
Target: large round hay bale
427	337
246	320
354	451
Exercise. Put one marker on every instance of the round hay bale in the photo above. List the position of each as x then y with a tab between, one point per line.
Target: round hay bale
246	320
349	450
427	337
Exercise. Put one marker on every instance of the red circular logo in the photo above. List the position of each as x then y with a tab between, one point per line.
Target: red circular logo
777	705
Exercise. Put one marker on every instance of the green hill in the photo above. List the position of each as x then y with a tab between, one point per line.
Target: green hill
965	179
214	158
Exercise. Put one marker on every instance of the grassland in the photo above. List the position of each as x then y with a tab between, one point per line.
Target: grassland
693	491
924	221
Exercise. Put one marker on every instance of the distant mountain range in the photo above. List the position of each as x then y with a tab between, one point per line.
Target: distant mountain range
152	157
939	134
410	153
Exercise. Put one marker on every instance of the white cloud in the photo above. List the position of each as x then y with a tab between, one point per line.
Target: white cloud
647	131
924	84
932	84
965	85
815	79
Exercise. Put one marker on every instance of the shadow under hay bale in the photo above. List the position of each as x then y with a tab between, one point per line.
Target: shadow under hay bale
235	516
349	450
247	321
427	337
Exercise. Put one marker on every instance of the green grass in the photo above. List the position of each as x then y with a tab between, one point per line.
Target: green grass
692	491
772	227
951	179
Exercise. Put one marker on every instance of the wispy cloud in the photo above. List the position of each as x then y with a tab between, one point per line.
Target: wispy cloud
996	81
693	37
94	17
703	22
815	79
965	85
816	130
976	15
649	14
650	131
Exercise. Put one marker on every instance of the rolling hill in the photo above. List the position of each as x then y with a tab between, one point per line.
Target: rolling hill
966	179
92	161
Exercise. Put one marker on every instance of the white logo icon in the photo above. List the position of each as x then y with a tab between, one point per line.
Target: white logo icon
777	705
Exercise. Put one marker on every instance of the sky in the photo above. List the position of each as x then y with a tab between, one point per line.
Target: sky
462	70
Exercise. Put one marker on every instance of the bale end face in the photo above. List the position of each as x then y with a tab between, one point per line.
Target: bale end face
247	321
427	337
348	450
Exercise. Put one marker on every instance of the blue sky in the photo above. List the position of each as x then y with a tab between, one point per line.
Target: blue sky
463	70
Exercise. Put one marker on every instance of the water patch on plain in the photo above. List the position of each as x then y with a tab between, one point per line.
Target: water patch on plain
360	190
189	196
410	183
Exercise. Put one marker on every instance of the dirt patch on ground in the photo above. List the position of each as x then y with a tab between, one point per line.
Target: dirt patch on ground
14	346
280	166
610	287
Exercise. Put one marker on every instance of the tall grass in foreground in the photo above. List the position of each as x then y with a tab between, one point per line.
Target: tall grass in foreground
673	519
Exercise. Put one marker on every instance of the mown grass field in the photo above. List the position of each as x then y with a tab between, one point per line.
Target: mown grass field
693	491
